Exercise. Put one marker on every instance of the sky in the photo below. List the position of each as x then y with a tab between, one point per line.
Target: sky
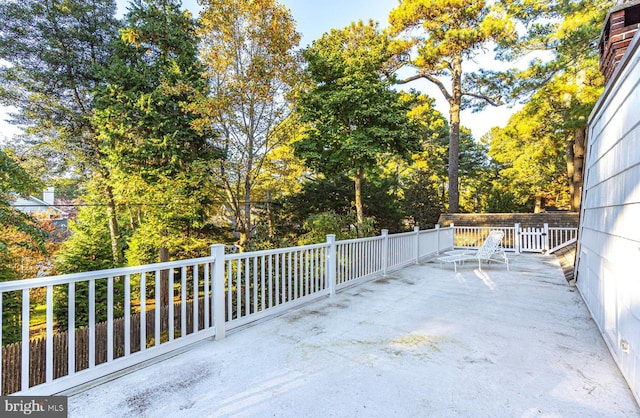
315	17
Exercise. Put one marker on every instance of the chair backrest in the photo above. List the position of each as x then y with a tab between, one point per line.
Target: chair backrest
490	245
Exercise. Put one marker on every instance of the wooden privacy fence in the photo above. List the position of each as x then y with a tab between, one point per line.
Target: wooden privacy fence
12	358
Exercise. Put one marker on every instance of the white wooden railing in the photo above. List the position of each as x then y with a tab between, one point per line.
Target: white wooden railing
518	239
473	236
561	237
187	281
264	283
210	295
207	296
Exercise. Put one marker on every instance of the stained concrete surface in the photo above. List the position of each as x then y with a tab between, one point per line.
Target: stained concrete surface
423	342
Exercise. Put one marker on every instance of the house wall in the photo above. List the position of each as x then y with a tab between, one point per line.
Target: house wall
608	266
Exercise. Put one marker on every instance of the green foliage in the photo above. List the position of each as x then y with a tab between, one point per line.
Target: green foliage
449	29
88	246
81	289
342	226
422	202
14	180
335	196
146	124
354	120
87	249
252	69
152	78
443	33
567	33
542	147
53	48
532	154
321	195
501	199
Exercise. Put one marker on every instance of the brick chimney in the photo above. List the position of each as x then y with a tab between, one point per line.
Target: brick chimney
620	27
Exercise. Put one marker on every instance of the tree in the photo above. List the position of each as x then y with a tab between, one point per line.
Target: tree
247	47
15	181
335	195
535	147
421	202
450	32
530	152
87	249
282	175
53	49
146	125
31	255
319	225
569	82
353	118
20	232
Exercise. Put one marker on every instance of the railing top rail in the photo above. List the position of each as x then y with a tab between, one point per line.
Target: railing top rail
430	231
402	234
482	227
99	274
274	251
353	240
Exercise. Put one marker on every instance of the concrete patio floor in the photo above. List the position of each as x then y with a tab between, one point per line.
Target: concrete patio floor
423	342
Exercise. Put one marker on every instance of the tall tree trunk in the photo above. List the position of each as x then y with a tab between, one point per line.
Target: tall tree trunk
538	205
164	274
114	229
269	215
132	222
454	135
359	211
570	167
162	300
579	135
396	185
245	232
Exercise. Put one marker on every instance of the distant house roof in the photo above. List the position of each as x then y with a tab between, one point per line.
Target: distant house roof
34	205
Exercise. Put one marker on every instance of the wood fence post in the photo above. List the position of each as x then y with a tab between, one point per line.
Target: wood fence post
219	320
545	239
416	230
385	251
332	264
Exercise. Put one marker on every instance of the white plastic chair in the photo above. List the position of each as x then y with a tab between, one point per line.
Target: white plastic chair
490	250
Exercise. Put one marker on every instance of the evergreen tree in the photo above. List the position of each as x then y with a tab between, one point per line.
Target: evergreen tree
53	49
354	120
450	31
564	87
143	114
